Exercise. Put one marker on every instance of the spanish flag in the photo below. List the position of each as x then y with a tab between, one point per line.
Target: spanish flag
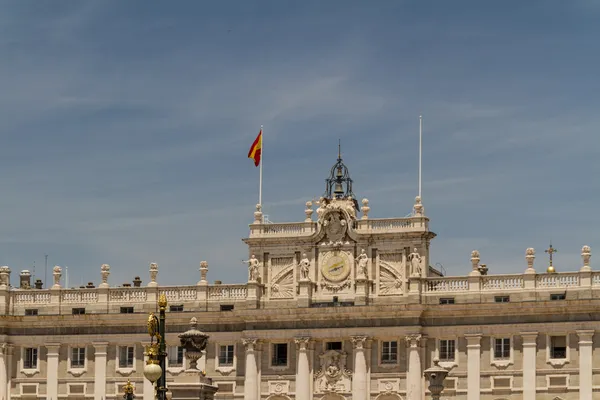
255	149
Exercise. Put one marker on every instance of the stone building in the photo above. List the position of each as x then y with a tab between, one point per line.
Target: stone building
338	306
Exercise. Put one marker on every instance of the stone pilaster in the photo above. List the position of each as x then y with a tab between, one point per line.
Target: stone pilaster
251	386
529	355
52	370
100	370
473	366
359	379
362	291
414	382
585	364
303	391
3	371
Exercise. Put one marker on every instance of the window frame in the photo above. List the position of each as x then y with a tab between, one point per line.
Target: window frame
502	362
227	368
125	370
557	362
272	356
77	370
32	370
176	368
386	363
445	363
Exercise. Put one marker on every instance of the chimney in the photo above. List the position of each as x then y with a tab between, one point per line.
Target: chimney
137	282
39	284
90	285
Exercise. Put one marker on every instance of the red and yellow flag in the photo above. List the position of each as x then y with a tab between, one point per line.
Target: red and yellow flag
255	149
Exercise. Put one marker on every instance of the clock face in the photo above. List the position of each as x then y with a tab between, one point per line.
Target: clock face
335	267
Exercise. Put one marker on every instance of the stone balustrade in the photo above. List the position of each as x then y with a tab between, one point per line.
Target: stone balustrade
391	225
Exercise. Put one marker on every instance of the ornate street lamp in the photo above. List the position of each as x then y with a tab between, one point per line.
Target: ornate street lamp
155	368
128	391
436	375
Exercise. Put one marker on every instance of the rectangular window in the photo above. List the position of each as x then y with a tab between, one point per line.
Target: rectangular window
126	310
175	356
502	299
334	346
226	355
280	355
558	296
447	300
226	307
126	356
558	347
77	357
30	358
78	311
501	348
389	352
176	308
31	311
447	350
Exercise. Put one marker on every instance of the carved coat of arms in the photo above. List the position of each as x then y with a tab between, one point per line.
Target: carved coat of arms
333	375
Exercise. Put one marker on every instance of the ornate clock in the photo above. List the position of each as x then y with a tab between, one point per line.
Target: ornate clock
335	267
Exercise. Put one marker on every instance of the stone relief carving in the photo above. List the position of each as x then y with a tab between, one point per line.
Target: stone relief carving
415	263
391	274
335	226
332	375
282	286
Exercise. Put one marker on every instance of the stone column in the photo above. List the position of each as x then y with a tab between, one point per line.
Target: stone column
52	370
251	378
473	366
585	364
414	387
3	371
303	370
100	370
359	379
529	354
147	387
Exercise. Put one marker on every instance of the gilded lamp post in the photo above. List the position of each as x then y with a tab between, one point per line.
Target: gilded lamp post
155	369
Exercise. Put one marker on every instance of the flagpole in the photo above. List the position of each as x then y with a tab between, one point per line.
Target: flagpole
262	158
420	149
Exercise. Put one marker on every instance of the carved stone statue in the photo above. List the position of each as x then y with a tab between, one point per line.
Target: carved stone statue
153	272
304	268
415	263
253	269
57	273
104	273
363	261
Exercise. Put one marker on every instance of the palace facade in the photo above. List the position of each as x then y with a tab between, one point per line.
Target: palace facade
338	306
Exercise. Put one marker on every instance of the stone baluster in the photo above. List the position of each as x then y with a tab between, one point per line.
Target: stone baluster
473	366
359	380
303	391
529	355
52	370
585	364
251	384
414	383
100	371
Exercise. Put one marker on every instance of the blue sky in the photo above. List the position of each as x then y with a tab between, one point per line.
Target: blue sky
124	127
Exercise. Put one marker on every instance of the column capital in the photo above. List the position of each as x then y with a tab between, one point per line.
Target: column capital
358	342
250	344
413	340
100	348
585	336
302	343
529	338
473	339
53	348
